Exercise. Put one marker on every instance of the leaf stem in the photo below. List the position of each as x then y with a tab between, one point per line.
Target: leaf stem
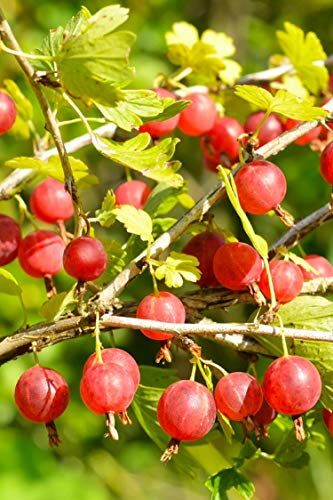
19	53
98	343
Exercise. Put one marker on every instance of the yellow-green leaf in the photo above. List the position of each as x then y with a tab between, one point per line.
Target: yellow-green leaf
136	221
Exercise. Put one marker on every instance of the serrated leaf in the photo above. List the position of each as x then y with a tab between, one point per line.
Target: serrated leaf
223	44
52	168
105	215
58	305
136	221
97	58
225	426
9	284
221	482
303	51
177	268
153	162
182	34
283	103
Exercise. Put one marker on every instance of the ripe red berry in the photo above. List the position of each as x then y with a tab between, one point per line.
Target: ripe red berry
41	394
199	117
322	266
157	129
328	420
203	246
261	186
133	193
8	113
40	254
50	202
10	237
118	357
305	139
220	145
292	385
287	281
186	410
265	415
238	395
85	258
271	129
236	265
165	307
326	163
106	387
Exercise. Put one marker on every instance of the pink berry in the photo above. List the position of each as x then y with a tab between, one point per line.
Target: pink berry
8	113
106	387
328	420
164	307
287	281
85	258
10	237
50	202
238	395
40	254
118	357
157	129
220	144
326	163
203	246
261	186
271	129
186	410
133	193
323	267
236	265
292	385
41	394
306	138
199	117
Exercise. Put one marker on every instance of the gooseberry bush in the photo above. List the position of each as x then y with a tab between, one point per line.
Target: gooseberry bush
195	264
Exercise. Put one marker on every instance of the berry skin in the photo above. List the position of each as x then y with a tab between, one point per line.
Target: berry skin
220	144
106	387
199	117
326	163
118	357
305	139
157	129
8	113
10	237
133	193
261	186
186	410
50	202
85	258
40	254
271	129
164	307
292	385
322	266
41	394
238	395
236	265
287	281
265	415
328	420
203	246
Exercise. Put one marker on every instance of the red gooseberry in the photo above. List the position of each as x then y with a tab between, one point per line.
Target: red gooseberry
265	415
10	237
85	258
323	267
203	246
328	420
50	202
287	281
236	265
159	128
199	117
326	163
8	113
40	254
133	193
271	128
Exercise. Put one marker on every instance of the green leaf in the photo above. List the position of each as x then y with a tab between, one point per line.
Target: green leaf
303	51
58	305
291	452
52	168
283	103
136	221
162	224
177	268
225	426
96	59
9	284
153	162
221	482
105	215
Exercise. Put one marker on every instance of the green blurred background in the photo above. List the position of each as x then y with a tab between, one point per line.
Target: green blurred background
87	466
